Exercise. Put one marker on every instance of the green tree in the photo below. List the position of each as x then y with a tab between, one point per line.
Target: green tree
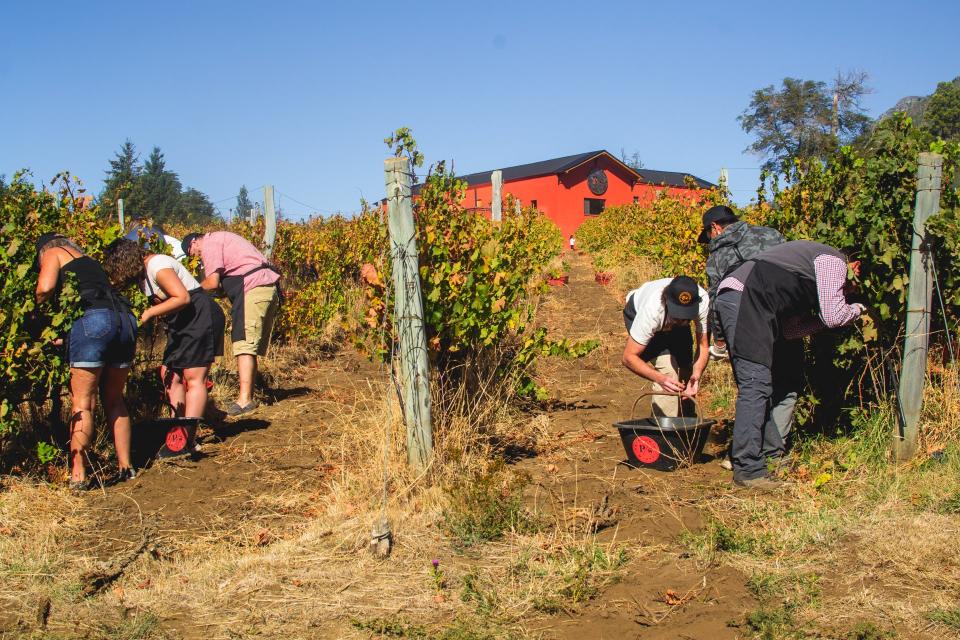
195	207
805	119
122	180
160	188
243	203
942	115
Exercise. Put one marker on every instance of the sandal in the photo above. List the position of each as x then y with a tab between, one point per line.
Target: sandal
236	410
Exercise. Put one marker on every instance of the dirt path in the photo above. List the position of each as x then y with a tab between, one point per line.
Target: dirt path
663	593
260	478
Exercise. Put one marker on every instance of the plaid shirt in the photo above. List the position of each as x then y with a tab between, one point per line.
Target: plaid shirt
834	310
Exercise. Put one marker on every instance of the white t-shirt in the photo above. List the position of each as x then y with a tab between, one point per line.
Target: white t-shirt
652	313
150	287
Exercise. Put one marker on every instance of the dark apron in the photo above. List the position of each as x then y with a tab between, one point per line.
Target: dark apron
678	341
770	294
233	287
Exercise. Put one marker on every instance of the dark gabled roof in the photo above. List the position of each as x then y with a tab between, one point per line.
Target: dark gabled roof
566	163
534	169
672	178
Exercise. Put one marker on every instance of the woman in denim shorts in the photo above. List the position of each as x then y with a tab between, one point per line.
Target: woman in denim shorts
101	347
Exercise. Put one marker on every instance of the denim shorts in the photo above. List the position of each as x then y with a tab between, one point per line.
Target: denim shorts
103	338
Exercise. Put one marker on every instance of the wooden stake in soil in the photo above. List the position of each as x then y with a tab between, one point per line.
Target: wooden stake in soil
496	200
408	314
919	294
269	221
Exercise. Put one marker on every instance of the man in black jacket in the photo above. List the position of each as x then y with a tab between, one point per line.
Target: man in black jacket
765	306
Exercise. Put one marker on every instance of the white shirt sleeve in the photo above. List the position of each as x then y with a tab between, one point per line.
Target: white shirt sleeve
648	302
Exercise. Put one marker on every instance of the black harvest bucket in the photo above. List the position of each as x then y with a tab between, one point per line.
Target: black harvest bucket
663	443
164	438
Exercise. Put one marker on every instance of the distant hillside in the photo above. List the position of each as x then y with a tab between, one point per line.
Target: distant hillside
913	106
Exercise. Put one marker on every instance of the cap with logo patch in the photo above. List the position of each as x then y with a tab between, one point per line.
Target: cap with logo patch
682	297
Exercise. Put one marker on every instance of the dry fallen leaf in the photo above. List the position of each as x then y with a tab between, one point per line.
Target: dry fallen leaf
263	537
144	584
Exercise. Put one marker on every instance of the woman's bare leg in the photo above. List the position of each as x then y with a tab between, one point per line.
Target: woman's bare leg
83	389
176	391
115	408
196	396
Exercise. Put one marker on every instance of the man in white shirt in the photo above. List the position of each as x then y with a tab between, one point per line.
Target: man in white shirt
660	345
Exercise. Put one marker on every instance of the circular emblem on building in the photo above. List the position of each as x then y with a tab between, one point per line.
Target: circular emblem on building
685	297
597	181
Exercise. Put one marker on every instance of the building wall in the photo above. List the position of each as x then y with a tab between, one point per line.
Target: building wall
561	198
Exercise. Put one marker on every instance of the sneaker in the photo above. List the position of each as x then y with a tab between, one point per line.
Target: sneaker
763	483
123	475
726	464
236	410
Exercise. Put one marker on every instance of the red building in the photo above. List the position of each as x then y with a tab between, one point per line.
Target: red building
571	189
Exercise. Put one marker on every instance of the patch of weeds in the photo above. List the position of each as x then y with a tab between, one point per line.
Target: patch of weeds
946	617
765	586
868	631
478	591
773	623
719	537
577	577
950	504
487	506
870	444
390	628
467	630
140	627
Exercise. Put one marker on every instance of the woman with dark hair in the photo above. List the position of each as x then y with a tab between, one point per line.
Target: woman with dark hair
100	346
195	322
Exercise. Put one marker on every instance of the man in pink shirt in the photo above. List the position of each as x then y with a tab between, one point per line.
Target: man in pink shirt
251	283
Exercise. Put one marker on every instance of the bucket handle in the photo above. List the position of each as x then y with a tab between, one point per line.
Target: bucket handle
696	404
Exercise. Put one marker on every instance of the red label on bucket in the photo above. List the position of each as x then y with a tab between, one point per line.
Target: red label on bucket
176	439
646	449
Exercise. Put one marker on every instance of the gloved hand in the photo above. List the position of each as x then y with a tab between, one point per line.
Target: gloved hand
719	353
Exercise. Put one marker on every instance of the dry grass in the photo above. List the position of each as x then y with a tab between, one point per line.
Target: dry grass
879	540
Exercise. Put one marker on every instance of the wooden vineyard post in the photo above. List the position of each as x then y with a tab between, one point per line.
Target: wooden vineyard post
919	293
408	313
269	221
496	199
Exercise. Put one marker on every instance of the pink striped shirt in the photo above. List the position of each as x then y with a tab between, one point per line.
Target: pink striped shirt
835	312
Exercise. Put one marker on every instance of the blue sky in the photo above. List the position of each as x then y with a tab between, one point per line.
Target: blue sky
301	94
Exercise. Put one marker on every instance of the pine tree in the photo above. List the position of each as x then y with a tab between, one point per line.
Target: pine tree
243	203
122	179
195	208
161	190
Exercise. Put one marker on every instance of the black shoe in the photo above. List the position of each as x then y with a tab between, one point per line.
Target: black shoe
123	475
81	486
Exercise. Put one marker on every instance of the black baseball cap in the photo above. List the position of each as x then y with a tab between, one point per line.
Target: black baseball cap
682	296
720	213
188	240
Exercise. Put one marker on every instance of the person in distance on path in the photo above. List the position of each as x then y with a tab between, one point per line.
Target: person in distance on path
252	285
765	306
660	347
